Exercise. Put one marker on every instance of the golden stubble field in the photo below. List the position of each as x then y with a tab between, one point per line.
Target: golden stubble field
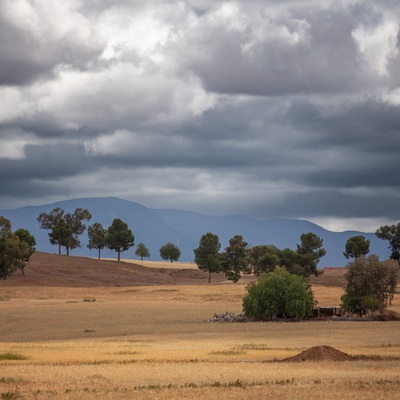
152	342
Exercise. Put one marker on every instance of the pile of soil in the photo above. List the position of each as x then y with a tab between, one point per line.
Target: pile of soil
320	353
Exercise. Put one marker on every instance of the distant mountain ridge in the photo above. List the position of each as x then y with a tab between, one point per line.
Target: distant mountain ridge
155	227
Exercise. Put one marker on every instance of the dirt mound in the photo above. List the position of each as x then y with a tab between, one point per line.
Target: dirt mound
320	353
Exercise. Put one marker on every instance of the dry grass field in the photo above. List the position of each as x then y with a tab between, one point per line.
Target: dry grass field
152	341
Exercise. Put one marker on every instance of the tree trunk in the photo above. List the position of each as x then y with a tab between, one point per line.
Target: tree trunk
99	254
209	276
119	255
67	250
59	249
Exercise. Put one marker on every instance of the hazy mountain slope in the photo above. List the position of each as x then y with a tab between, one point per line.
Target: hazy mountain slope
156	227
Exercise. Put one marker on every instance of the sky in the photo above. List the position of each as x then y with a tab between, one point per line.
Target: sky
271	109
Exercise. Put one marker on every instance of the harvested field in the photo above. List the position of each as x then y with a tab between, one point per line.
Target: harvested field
147	340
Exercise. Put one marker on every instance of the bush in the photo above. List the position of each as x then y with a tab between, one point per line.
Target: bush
279	294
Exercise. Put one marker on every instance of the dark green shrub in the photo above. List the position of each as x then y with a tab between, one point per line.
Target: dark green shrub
279	294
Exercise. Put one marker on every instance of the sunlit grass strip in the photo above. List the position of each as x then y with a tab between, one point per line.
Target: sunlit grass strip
227	353
12	356
217	384
251	346
9	380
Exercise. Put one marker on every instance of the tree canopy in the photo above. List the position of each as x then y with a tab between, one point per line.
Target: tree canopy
25	237
65	227
263	258
279	294
310	251
303	261
371	285
119	237
206	256
97	237
234	260
170	252
142	251
15	248
391	233
356	246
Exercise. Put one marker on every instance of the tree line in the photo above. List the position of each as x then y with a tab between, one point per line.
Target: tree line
65	229
370	284
238	258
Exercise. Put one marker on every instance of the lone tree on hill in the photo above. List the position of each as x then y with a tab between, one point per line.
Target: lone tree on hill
392	235
371	285
356	246
97	237
206	255
65	228
14	252
170	252
119	237
142	251
279	294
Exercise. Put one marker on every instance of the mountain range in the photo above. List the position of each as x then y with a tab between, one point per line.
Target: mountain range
156	227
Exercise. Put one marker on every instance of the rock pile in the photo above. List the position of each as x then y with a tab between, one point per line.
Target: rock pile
228	317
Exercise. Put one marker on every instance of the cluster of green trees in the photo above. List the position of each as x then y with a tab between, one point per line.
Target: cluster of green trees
16	248
283	288
65	229
238	258
370	283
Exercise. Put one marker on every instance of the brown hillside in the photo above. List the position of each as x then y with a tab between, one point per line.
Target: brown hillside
332	276
53	270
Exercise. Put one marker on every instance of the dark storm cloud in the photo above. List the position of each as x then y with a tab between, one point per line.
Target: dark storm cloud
310	50
331	204
279	108
44	163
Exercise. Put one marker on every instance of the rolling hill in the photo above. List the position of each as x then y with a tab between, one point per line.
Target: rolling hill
46	269
155	227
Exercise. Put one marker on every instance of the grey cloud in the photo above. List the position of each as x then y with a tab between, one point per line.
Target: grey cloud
330	203
47	162
322	56
27	55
